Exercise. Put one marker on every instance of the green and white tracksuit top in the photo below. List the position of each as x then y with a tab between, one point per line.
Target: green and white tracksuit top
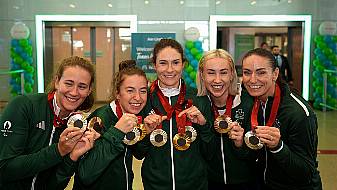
293	164
29	157
165	167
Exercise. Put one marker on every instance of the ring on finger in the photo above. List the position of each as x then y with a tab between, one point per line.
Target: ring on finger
66	138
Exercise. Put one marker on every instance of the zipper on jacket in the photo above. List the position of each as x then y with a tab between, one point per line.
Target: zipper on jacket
50	142
171	147
126	169
264	105
223	161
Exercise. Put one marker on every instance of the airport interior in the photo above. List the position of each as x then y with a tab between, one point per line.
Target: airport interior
36	35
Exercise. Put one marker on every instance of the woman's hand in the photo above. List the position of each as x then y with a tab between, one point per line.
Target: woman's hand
270	136
68	139
236	133
83	145
152	121
127	122
194	115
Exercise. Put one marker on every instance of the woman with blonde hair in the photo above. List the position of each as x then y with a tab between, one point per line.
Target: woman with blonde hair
231	166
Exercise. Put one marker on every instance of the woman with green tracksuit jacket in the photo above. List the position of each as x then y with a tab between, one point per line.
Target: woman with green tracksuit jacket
233	165
37	151
285	123
109	164
177	163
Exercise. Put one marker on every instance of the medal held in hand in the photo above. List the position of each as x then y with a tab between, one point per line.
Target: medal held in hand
77	120
141	128
158	137
181	141
96	124
251	140
222	122
132	137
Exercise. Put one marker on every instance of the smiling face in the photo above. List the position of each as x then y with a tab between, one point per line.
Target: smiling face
258	76
217	75
72	89
169	66
132	94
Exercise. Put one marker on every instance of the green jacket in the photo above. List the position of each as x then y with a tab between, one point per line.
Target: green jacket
26	129
109	164
165	167
292	165
232	165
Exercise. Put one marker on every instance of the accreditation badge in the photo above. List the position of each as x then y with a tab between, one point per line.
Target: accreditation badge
158	137
252	141
222	124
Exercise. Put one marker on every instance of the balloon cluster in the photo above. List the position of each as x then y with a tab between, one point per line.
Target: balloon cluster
325	58
193	53
21	59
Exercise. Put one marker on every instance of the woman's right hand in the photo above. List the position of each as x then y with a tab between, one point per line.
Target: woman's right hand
152	121
68	139
127	122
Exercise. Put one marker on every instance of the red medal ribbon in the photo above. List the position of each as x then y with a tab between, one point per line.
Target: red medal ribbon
229	104
177	108
119	112
274	109
57	121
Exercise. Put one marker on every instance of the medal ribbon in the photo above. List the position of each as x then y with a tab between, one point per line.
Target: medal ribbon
57	121
274	109
119	112
229	104
177	108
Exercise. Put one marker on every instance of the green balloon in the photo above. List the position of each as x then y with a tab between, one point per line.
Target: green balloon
198	56
327	51
317	62
321	45
189	69
189	44
320	68
319	38
194	51
334	38
23	42
193	75
28	88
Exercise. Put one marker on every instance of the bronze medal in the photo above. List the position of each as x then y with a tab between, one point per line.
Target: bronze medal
96	124
181	141
132	137
222	124
191	133
252	141
77	120
158	137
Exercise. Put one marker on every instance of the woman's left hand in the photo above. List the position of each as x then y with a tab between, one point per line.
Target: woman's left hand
194	115
236	133
270	136
84	144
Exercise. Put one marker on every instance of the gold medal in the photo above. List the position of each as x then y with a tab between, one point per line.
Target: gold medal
96	124
181	141
77	120
222	124
158	137
132	137
142	131
252	141
191	133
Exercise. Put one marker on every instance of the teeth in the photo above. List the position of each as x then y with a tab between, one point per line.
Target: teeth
71	99
255	86
217	86
136	105
169	76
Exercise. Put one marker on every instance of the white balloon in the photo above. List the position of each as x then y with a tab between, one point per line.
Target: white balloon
192	34
19	31
327	28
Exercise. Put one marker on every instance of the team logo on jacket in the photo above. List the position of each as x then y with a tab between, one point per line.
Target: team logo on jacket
6	128
277	123
41	125
239	115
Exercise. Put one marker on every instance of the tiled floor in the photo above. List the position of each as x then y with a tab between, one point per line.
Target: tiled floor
327	152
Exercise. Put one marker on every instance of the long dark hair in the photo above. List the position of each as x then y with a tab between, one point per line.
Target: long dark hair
163	43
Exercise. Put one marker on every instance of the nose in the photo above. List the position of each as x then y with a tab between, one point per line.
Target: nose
74	91
253	78
137	96
170	67
217	78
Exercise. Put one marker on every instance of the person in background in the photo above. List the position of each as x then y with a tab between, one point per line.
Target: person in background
109	164
37	150
283	65
285	124
231	166
172	158
264	45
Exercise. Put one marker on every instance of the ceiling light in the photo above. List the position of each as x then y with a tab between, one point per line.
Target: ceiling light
182	2
217	2
72	6
253	2
110	5
290	1
146	2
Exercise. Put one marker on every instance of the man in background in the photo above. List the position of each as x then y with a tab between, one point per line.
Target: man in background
283	65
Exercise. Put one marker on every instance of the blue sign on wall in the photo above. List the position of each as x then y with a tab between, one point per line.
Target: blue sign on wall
142	46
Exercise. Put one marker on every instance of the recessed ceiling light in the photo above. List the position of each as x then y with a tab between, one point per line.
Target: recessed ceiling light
217	2
110	5
253	2
72	6
146	2
182	2
290	1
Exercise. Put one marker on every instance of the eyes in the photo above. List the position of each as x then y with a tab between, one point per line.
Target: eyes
81	86
212	72
258	73
133	90
165	62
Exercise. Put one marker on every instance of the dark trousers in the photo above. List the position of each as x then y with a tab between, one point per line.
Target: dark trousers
223	186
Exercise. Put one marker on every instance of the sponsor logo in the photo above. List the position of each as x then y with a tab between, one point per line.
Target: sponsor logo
6	128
